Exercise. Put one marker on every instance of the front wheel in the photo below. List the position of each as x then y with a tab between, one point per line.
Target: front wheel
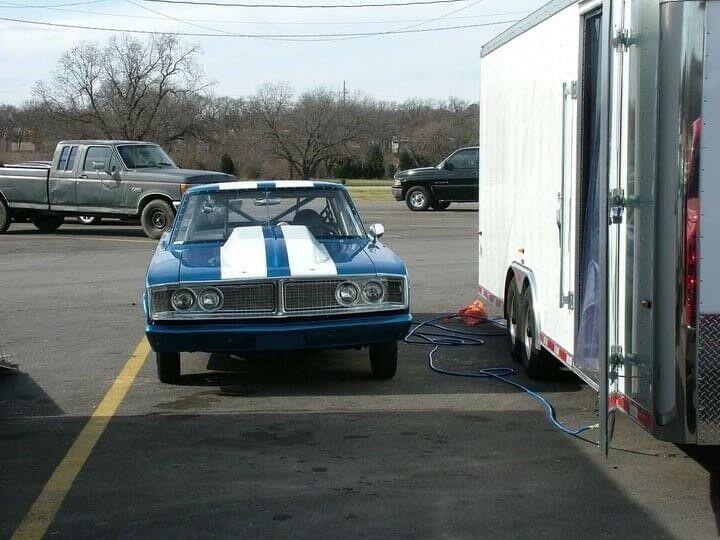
168	367
47	224
5	218
383	360
156	218
417	199
440	205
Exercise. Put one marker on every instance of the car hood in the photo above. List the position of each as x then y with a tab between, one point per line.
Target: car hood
185	176
420	172
254	253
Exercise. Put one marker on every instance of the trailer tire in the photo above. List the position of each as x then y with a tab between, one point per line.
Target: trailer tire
440	205
168	367
5	217
512	316
537	363
383	360
418	198
156	218
47	224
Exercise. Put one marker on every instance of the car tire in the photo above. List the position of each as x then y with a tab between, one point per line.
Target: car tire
440	205
537	363
383	360
5	217
47	224
512	316
168	367
156	218
89	220
417	199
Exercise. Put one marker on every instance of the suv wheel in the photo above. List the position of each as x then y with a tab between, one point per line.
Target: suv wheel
417	199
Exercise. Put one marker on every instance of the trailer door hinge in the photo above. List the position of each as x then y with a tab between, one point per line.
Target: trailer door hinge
571	89
567	300
616	203
622	40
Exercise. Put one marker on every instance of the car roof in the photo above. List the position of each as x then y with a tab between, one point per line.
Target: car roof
267	185
104	142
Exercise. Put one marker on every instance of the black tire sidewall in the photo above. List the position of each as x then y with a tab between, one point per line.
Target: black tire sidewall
47	223
383	360
168	367
5	218
514	344
408	198
146	217
440	205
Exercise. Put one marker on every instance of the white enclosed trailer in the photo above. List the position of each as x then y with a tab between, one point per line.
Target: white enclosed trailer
599	203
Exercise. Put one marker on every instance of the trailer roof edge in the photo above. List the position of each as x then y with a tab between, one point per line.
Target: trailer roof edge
520	27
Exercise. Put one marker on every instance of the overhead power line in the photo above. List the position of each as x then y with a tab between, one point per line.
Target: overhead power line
307	6
294	22
260	36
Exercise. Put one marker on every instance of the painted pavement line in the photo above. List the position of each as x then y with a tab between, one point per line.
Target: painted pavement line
42	512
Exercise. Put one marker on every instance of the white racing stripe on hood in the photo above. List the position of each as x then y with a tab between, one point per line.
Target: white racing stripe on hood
307	256
243	255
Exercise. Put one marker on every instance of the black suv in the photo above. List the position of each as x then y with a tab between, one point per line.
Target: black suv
455	179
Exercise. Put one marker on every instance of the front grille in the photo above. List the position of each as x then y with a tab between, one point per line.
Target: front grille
395	290
310	295
247	298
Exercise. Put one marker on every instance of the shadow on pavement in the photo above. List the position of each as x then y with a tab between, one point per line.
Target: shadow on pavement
709	458
20	395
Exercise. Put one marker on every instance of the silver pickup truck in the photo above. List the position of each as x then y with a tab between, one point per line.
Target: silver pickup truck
124	179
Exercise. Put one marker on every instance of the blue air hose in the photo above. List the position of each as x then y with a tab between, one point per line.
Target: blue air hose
442	336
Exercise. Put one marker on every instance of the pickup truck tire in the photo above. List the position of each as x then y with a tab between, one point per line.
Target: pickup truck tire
440	205
418	199
5	218
47	224
168	367
156	218
383	360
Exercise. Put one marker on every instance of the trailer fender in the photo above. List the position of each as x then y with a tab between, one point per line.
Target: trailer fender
524	278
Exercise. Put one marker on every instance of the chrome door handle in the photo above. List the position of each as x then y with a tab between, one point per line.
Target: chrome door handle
83	176
442	183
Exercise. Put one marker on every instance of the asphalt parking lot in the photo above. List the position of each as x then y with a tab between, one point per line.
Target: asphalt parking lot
302	446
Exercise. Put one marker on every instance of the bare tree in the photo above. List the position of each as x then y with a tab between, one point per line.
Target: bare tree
306	132
128	89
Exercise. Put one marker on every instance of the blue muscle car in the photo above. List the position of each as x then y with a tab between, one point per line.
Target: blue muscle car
262	266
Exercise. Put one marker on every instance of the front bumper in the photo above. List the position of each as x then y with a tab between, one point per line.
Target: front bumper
397	193
280	335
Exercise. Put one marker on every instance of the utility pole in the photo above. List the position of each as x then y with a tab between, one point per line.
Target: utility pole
344	93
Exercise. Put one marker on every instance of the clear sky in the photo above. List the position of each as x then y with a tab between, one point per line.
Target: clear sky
433	65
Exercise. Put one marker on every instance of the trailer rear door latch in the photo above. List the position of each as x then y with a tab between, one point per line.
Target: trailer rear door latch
617	205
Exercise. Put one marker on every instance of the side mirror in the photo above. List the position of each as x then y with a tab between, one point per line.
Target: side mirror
376	231
98	166
448	166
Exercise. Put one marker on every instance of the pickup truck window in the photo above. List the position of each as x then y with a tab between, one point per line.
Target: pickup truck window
464	159
71	158
144	156
62	162
97	154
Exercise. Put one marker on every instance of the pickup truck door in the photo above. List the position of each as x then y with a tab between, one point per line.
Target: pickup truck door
98	190
460	181
61	182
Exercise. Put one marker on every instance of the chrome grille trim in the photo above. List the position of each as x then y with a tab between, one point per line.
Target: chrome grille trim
282	306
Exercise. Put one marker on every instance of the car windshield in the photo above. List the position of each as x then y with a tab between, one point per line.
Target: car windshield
144	156
212	217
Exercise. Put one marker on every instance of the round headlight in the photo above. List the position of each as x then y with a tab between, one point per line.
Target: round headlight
347	293
373	292
210	299
183	299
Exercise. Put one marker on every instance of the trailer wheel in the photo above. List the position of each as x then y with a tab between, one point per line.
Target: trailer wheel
168	367
417	199
383	360
512	316
47	224
440	205
156	218
537	363
5	218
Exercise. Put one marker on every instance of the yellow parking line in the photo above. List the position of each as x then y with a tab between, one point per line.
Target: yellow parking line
38	519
